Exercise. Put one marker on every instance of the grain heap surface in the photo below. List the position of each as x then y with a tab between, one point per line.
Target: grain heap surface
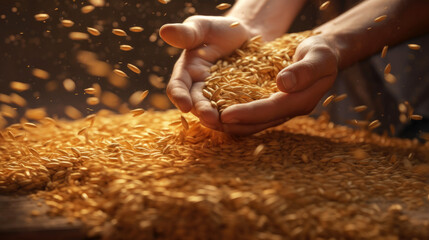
163	176
250	73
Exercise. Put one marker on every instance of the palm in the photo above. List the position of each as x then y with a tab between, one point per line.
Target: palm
205	40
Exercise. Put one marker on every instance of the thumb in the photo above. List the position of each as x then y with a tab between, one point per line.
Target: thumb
316	64
185	35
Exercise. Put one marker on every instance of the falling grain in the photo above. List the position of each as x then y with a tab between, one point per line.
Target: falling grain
137	112
223	6
416	117
67	23
120	73
126	47
360	108
90	90
380	19
384	51
92	101
78	36
39	73
328	100
41	17
119	32
374	124
340	98
414	46
133	68
390	78
324	6
93	31
234	24
136	29
387	69
87	9
69	85
19	86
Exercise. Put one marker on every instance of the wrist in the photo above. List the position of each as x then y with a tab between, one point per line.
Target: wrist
339	43
268	18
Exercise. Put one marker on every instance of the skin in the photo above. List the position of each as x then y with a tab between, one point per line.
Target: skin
341	42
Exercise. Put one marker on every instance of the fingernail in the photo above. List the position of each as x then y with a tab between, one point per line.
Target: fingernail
232	120
288	80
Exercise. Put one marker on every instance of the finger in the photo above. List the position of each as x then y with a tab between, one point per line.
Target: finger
241	129
318	62
208	115
178	89
187	35
278	105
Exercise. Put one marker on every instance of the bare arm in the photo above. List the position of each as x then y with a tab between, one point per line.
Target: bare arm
270	18
356	35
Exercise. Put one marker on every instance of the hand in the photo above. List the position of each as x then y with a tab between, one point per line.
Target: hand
302	85
205	40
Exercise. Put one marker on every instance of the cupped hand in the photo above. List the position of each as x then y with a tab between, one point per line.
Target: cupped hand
205	40
301	84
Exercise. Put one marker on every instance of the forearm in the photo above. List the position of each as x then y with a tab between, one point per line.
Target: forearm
356	35
269	18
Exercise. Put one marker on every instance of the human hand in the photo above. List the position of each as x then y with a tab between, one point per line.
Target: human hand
205	40
301	85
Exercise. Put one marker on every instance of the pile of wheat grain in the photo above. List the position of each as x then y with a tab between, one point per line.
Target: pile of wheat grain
160	175
250	73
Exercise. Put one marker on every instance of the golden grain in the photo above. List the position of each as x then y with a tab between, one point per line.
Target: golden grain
384	51
416	117
133	68
234	24
184	122
39	73
93	31
125	47
120	73
79	36
19	86
18	100
119	32
92	101
30	125
328	100
255	65
223	6
87	9
67	23
390	78
324	5
69	85
414	46
360	108
374	124
41	16
387	69
380	18
90	90
340	97
72	112
137	112
136	29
